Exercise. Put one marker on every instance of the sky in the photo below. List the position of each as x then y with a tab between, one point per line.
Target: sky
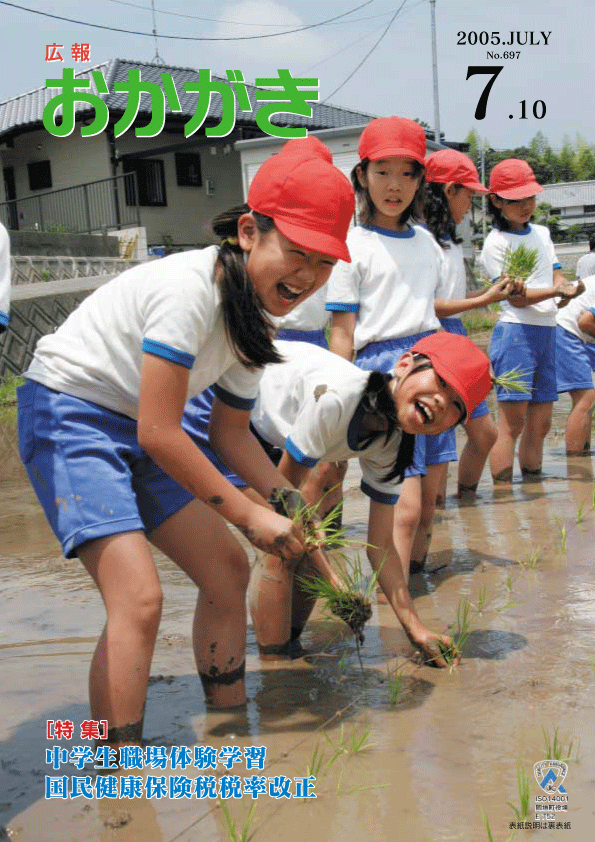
396	78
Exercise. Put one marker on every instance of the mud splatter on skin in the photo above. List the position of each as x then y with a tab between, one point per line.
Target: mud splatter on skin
213	646
274	548
216	500
130	733
504	475
213	676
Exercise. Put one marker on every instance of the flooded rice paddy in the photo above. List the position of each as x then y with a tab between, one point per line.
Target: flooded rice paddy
416	757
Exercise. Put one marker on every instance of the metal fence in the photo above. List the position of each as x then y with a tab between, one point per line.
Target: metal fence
97	206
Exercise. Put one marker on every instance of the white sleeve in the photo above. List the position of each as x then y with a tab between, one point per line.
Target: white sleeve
178	318
492	256
238	386
375	465
316	428
4	278
443	286
343	288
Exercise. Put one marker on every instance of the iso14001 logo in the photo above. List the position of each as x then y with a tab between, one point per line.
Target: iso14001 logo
551	805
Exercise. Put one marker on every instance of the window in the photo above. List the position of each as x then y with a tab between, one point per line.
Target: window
150	182
40	175
589	208
188	169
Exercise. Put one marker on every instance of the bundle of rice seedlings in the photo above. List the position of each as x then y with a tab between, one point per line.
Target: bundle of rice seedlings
519	262
513	380
350	599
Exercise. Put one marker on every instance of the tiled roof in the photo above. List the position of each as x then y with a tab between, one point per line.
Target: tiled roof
26	110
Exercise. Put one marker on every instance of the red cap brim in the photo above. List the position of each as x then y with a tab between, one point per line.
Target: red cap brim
313	239
524	192
396	151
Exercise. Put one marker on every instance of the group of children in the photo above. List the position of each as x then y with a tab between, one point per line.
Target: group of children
125	445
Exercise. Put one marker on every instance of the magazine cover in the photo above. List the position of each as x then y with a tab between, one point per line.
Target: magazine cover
297	319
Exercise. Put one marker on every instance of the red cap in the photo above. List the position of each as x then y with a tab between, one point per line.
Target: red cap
460	362
388	136
514	179
307	147
447	165
309	199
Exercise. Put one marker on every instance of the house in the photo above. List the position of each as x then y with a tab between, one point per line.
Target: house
573	202
167	184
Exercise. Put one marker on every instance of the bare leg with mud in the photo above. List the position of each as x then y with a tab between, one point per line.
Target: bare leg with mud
219	566
430	484
481	437
537	425
578	423
511	420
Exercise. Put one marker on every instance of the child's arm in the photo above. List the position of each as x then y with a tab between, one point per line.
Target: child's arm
382	554
450	307
342	330
586	322
162	397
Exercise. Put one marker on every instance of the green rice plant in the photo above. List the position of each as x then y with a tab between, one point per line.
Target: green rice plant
452	651
360	788
482	599
486	824
579	514
554	747
519	262
530	559
592	663
319	765
394	683
513	380
523	811
593	497
351	745
235	833
351	599
563	536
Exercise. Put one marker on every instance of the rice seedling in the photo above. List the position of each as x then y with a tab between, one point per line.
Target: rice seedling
351	599
579	514
513	380
351	745
523	811
394	683
563	536
319	765
486	824
235	833
530	559
593	497
592	663
452	651
555	748
519	262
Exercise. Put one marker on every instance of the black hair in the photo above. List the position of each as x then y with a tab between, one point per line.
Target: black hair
592	242
366	208
377	400
496	213
248	326
437	214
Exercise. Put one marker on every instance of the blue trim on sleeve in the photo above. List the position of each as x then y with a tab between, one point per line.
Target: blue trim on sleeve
378	496
340	306
557	266
233	400
296	453
160	349
4	319
497	278
592	310
522	232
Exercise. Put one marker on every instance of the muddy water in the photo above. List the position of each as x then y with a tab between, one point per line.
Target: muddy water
442	750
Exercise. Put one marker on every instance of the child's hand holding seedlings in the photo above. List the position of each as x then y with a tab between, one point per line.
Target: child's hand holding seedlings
497	291
568	290
433	646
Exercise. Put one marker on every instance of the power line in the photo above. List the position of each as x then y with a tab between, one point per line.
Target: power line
368	54
185	37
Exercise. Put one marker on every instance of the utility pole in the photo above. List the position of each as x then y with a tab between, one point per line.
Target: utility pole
435	70
483	195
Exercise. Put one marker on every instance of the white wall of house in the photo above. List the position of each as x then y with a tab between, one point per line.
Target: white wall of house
186	218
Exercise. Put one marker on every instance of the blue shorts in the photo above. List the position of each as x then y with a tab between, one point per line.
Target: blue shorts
573	366
88	470
590	349
429	450
455	325
533	349
195	421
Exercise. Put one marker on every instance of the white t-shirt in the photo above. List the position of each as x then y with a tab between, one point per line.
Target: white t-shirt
586	265
567	317
308	405
309	315
169	307
391	283
492	258
455	285
4	278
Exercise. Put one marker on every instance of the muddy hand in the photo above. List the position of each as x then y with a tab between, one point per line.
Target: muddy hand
433	648
568	289
274	534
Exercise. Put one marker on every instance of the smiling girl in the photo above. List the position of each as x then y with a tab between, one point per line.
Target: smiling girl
101	437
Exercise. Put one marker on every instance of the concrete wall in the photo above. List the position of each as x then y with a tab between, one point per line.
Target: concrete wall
71	245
